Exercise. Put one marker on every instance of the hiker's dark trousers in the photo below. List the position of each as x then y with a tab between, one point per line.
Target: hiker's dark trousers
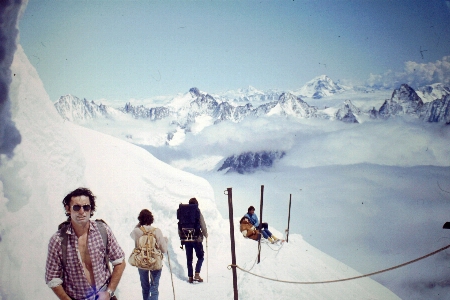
198	247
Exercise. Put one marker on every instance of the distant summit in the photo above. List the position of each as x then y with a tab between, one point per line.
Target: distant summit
74	109
289	104
405	101
319	87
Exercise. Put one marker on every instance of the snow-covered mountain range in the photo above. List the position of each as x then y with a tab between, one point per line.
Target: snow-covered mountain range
404	101
197	110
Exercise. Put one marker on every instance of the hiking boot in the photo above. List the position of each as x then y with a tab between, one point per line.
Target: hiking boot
191	279
197	277
271	240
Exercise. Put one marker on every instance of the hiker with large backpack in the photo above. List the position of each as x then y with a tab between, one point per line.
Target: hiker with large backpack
80	251
192	229
148	254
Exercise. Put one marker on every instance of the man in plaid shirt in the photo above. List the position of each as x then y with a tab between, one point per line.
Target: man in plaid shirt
86	275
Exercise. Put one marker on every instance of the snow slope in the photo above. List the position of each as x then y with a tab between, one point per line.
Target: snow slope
55	157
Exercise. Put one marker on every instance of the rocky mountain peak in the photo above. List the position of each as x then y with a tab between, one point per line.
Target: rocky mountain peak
195	92
249	162
406	94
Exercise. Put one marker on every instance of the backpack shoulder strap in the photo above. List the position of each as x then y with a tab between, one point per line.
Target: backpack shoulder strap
101	226
154	236
142	228
153	233
64	240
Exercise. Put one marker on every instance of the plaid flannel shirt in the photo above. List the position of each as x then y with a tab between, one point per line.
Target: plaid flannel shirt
73	279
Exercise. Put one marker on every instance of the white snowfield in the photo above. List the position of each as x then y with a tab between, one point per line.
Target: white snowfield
56	157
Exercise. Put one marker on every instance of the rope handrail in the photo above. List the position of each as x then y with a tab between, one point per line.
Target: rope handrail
345	279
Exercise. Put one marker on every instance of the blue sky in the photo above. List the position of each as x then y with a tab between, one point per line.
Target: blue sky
119	50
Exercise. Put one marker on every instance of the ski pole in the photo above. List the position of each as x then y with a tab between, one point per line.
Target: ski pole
207	261
171	276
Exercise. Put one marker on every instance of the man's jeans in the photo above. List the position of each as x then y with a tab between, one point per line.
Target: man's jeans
149	285
198	247
264	227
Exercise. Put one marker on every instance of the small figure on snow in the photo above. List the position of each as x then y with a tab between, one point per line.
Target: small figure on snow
263	227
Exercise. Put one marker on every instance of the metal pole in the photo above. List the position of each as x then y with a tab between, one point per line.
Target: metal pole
171	276
260	221
233	246
289	218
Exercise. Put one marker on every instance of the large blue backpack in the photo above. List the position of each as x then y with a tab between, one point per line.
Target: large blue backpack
188	216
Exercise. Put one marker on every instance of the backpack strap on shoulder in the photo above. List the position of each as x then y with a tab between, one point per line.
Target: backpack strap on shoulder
154	235
102	228
64	240
143	230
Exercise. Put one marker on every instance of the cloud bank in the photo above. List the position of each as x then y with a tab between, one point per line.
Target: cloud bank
415	74
9	13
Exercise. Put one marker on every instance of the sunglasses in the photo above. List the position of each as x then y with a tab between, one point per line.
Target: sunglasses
77	207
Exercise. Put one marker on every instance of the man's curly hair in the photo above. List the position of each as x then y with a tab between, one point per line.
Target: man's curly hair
80	192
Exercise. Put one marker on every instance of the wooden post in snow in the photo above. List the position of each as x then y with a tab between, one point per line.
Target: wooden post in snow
260	221
289	218
233	245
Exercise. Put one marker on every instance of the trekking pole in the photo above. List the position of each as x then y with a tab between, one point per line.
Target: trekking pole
171	275
207	261
289	219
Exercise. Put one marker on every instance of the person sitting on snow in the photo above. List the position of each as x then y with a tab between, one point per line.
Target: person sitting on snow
248	230
263	227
